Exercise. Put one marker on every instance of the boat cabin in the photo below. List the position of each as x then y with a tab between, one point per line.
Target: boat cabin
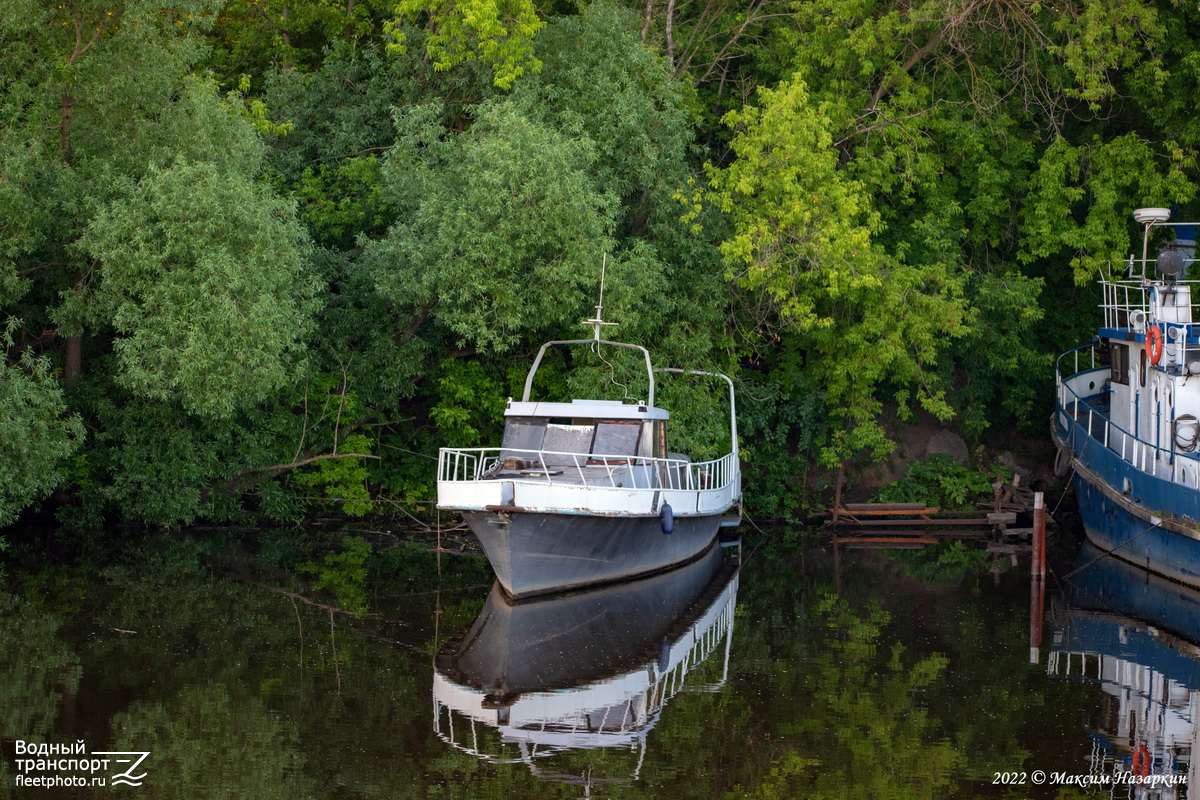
582	432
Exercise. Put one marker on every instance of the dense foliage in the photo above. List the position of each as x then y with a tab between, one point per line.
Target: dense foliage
258	258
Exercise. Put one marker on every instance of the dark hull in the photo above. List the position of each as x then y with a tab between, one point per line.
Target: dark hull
535	554
1145	520
562	642
1126	529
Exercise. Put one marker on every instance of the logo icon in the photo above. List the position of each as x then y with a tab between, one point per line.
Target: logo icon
127	777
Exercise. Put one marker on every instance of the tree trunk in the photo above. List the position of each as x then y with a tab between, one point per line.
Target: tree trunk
74	366
669	29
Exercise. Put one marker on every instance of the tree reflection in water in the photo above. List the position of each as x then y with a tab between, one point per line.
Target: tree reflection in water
894	689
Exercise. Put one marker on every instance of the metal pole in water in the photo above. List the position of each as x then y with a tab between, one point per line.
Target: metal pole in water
1037	607
1037	578
1037	582
1039	535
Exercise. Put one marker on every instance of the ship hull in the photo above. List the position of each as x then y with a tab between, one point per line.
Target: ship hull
1140	518
536	554
1133	537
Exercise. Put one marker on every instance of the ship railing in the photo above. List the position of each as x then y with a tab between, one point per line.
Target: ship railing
1133	303
1125	304
589	469
1074	409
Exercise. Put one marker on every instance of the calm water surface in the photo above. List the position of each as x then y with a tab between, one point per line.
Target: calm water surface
782	679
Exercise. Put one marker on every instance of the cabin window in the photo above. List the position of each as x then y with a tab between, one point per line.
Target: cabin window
1143	352
617	438
659	434
1119	356
522	434
559	442
566	438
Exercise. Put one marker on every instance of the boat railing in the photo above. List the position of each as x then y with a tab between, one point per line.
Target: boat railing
1073	408
589	469
1132	303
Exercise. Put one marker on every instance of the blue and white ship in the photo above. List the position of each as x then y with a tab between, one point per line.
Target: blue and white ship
1128	406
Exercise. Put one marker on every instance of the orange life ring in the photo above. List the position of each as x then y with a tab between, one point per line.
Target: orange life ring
1141	761
1154	344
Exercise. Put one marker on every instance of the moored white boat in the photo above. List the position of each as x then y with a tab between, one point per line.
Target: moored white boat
584	493
1130	426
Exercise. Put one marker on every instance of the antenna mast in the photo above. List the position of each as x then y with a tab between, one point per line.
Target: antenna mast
598	320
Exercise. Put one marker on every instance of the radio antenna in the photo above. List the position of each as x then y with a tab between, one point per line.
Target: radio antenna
598	320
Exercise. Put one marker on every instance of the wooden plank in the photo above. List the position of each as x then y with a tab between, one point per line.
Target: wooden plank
1002	518
908	539
1017	507
883	546
981	521
869	507
889	512
909	534
1007	549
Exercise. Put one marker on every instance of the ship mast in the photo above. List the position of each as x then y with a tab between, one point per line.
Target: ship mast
598	320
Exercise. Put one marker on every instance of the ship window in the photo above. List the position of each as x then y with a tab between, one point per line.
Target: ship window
617	438
523	434
1143	352
1119	355
567	439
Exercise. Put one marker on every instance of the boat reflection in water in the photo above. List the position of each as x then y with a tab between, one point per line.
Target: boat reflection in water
1135	634
538	682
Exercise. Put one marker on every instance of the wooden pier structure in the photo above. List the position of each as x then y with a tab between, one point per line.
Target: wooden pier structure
917	525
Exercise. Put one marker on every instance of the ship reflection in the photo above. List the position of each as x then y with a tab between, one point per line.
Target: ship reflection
572	685
1135	635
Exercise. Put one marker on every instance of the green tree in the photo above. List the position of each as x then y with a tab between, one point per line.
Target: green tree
203	277
805	242
37	435
932	147
498	33
140	242
486	215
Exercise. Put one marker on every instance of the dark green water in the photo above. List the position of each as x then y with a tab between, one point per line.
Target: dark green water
890	688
